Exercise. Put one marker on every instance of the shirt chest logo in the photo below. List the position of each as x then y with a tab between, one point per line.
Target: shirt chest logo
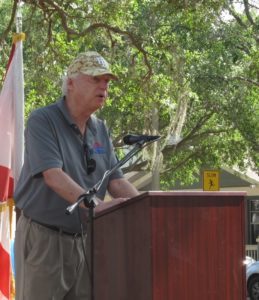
98	148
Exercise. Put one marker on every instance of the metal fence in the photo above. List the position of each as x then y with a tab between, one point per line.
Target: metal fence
252	251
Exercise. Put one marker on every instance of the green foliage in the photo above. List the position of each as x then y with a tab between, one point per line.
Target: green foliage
175	57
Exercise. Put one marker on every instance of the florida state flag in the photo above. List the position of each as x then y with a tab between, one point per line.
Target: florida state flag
11	158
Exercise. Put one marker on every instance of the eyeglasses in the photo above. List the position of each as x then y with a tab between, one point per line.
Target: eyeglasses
90	162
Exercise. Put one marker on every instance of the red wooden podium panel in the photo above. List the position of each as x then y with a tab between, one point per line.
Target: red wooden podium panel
122	254
171	246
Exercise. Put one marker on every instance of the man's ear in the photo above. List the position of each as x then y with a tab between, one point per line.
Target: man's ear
70	83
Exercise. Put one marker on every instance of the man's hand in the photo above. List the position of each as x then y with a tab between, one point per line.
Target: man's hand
122	188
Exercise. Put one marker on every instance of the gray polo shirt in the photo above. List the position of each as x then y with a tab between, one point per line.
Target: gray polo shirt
52	140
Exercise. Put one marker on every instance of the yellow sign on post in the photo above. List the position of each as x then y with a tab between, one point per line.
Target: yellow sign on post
211	180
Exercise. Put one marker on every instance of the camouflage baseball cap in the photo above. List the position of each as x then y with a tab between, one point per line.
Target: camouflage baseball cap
90	63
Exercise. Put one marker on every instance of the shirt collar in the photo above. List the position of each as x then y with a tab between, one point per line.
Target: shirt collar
91	123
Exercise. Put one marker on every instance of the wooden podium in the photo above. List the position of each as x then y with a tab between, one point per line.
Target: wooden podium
171	246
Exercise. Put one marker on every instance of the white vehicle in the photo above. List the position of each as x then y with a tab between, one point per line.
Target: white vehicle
252	278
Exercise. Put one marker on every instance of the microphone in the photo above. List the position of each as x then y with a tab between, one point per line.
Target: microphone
131	139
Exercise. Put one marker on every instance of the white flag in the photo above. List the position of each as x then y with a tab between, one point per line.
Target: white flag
11	159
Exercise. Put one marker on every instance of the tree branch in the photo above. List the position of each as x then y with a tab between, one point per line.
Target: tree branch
248	15
236	16
240	78
198	126
9	26
180	164
71	32
192	140
247	80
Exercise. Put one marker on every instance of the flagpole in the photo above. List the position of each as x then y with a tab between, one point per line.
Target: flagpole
18	88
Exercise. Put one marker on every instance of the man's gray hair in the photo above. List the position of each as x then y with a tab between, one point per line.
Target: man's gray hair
64	85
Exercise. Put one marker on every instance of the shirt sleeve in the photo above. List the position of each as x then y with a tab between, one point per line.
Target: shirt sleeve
41	144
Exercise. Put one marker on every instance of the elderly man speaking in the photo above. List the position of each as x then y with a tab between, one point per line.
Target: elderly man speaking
67	151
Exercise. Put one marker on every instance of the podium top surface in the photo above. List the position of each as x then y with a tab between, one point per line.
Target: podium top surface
114	204
195	193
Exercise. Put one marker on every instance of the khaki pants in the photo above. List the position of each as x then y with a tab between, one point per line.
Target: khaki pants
49	265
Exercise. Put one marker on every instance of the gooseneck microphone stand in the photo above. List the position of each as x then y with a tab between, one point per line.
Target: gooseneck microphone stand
91	202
